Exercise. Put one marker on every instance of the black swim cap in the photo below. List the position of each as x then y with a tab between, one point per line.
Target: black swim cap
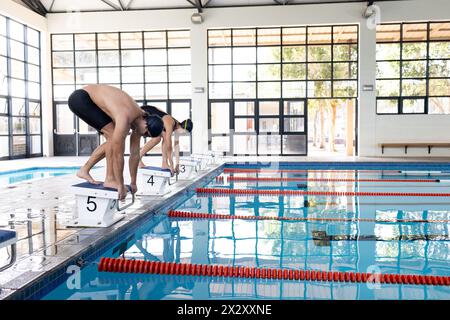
155	124
187	125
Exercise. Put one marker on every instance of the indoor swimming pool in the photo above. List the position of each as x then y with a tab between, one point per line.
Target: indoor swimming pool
27	174
337	220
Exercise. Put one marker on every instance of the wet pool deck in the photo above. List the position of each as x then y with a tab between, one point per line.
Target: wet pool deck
38	209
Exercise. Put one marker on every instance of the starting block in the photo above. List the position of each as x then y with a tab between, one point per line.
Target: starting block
154	181
97	205
188	167
205	160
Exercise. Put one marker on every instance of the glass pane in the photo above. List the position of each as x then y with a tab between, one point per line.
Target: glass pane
269	72
244	144
345	52
269	37
267	108
34	109
388	33
345	70
244	55
319	35
107	41
269	90
18	107
294	89
33	73
181	110
179	90
3	46
414	69
16	30
4	146
244	108
85	59
244	37
86	75
2	25
318	71
156	74
221	144
414	50
155	39
3	105
17	69
388	69
136	91
156	57
219	73
269	54
294	71
180	73
179	56
132	74
388	88
294	54
319	53
219	38
85	41
35	125
62	59
63	76
414	87
439	50
219	90
294	108
132	57
219	55
269	144
345	34
244	90
319	89
62	92
244	125
108	58
387	106
17	50
439	87
269	125
62	42
220	117
388	51
244	72
294	144
4	127
3	85
109	75
156	91
414	32
33	55
413	105
439	105
345	89
19	145
439	68
34	90
178	38
294	124
130	40
19	126
294	35
35	144
64	120
18	88
440	31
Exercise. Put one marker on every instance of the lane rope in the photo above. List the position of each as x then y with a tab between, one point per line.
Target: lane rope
172	268
273	179
245	170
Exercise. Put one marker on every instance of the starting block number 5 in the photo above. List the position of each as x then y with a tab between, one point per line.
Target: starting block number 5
93	204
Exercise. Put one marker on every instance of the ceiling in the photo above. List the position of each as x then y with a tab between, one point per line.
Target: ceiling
55	6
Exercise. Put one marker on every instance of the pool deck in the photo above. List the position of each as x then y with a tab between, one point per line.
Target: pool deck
38	209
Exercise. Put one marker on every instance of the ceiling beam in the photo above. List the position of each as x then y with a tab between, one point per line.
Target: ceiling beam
112	5
197	4
121	5
281	2
36	6
129	4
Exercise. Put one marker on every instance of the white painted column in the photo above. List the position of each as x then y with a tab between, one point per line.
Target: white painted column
199	79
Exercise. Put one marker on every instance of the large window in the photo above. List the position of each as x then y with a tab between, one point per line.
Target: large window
260	80
413	68
20	90
152	67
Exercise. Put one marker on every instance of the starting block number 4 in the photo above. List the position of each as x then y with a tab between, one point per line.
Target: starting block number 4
153	181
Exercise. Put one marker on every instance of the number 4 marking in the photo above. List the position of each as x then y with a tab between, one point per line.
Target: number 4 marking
150	180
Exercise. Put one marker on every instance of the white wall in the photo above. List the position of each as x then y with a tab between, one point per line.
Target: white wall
21	14
372	128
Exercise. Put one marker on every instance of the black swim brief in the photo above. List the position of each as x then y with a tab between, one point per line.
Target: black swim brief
82	105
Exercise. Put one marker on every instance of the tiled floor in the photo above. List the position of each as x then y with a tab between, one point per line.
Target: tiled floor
38	209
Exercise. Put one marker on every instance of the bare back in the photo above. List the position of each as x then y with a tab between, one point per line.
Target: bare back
114	102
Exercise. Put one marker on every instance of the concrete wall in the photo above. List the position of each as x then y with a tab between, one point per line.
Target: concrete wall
372	129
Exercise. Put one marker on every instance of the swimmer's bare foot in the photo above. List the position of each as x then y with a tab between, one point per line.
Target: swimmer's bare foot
141	165
84	174
110	184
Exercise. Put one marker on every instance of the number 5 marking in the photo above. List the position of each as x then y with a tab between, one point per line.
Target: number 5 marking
89	202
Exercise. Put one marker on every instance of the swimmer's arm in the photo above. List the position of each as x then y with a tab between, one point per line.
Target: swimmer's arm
133	162
177	149
168	146
117	149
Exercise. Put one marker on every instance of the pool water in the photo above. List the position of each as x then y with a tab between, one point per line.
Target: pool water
16	176
347	233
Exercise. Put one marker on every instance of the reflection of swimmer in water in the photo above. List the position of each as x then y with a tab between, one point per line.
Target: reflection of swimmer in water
160	288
